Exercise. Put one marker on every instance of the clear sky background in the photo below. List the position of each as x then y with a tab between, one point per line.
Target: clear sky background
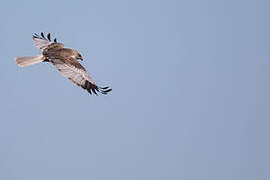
190	95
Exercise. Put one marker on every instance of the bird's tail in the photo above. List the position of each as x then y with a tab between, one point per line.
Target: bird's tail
29	60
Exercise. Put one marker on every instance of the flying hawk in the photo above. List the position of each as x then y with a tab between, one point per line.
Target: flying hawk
64	59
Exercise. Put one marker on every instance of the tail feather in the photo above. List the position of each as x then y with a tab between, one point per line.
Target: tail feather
29	60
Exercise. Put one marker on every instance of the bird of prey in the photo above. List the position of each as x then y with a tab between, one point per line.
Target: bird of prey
64	59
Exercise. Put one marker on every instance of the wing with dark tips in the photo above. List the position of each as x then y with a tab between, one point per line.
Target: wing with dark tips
42	42
78	75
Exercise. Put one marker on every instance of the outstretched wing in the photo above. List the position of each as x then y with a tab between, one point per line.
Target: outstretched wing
43	42
76	73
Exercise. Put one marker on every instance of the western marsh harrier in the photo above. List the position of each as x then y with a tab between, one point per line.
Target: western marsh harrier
65	60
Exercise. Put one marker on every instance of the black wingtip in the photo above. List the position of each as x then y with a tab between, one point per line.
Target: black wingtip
92	88
105	90
42	35
35	35
89	90
49	36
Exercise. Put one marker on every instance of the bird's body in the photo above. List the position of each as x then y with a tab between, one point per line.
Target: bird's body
65	60
68	55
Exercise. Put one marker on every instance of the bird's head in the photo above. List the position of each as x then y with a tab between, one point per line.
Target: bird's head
78	55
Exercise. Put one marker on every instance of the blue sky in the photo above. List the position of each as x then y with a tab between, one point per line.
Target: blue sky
190	95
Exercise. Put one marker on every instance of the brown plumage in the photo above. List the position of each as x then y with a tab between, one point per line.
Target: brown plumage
65	60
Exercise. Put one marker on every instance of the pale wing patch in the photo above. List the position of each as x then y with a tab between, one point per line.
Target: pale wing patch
42	42
72	72
79	77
